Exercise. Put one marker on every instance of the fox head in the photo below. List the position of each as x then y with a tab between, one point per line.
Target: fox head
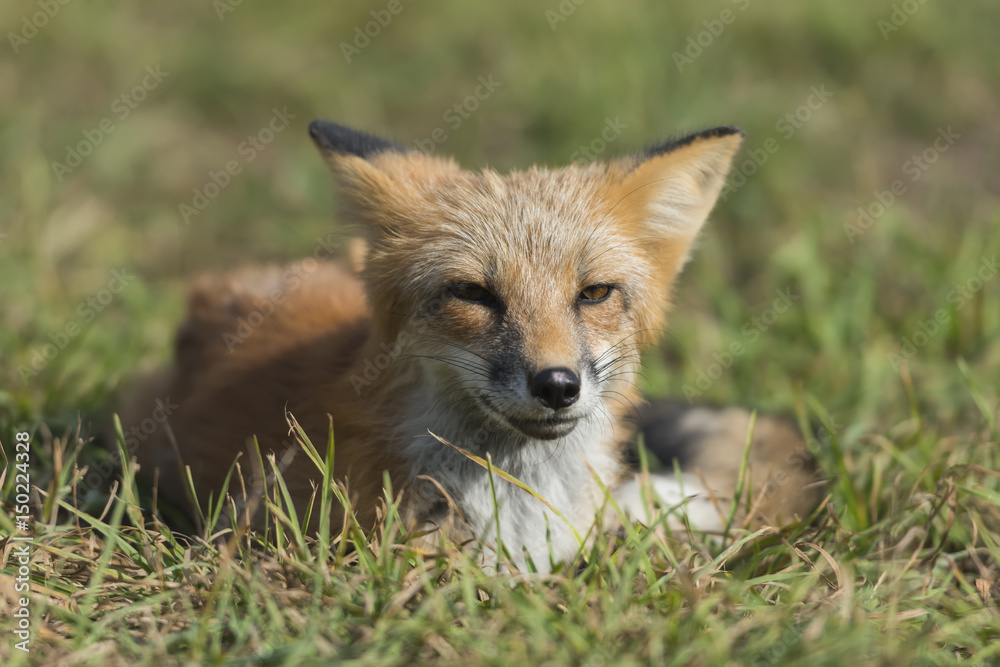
525	298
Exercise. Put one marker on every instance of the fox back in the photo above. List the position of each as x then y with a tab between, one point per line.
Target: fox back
502	315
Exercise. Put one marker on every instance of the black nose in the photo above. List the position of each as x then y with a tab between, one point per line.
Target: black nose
556	387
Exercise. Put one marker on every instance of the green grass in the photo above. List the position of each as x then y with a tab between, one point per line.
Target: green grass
900	566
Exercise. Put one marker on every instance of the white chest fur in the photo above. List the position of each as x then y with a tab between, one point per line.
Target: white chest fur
561	471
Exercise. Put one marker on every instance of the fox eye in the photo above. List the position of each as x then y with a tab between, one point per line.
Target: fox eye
595	293
472	292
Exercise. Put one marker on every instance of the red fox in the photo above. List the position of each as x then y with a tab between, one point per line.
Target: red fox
504	314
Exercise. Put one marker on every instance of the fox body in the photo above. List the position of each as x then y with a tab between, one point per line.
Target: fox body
503	314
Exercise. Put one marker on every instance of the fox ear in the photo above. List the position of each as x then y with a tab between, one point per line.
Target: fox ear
379	180
335	140
679	180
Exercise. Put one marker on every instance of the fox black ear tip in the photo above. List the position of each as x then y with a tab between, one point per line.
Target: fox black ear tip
676	143
336	138
319	129
724	131
719	132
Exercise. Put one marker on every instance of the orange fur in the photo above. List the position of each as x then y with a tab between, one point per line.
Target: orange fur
396	353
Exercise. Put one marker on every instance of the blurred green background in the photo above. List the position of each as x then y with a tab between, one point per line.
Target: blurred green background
892	76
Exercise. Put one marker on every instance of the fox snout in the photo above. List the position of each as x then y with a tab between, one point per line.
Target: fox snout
555	388
548	403
553	392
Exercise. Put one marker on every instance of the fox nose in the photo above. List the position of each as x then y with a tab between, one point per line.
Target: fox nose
556	387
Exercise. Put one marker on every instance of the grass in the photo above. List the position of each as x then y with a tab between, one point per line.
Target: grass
899	567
